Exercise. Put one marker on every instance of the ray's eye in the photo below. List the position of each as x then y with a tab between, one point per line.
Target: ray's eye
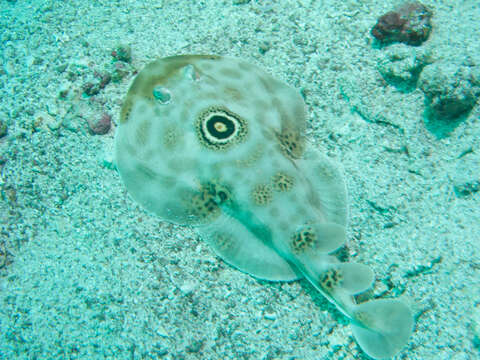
219	128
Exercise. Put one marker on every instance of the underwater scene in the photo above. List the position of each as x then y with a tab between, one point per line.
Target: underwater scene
240	179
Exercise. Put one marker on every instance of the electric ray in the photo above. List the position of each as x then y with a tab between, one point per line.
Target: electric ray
217	143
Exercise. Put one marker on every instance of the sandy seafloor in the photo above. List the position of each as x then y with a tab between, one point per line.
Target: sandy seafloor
87	274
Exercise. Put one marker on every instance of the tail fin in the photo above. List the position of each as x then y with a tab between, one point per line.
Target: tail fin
382	327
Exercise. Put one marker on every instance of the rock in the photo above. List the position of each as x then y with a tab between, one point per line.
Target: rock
451	90
120	70
188	287
90	88
43	121
101	126
122	53
466	176
3	128
61	68
401	65
93	87
410	24
269	313
264	46
195	346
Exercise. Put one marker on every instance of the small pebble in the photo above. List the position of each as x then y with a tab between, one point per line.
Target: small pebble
90	89
161	331
119	71
61	68
188	287
104	80
194	347
122	53
465	176
269	314
3	128
264	46
43	120
93	87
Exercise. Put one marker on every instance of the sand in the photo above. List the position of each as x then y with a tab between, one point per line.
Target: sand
87	274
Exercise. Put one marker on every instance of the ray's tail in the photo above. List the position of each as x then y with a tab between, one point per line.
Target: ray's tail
382	327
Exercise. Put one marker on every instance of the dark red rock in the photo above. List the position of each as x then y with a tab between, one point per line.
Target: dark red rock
409	24
102	126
